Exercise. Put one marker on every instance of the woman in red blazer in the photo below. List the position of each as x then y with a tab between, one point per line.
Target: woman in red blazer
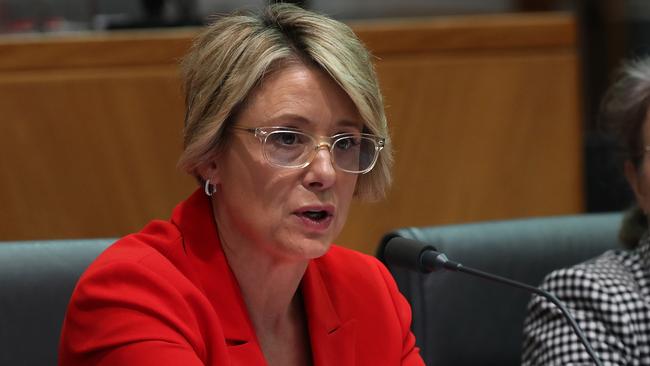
284	125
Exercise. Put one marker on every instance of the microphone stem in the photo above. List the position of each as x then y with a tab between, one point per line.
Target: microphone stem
460	268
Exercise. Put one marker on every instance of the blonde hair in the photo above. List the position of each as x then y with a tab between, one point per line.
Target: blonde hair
231	57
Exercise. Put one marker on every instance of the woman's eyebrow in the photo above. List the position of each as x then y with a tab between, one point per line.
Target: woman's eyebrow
301	121
288	118
350	123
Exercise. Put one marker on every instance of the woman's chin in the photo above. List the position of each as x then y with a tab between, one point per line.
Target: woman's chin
307	248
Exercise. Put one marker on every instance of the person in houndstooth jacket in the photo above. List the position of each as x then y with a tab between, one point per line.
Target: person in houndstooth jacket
609	295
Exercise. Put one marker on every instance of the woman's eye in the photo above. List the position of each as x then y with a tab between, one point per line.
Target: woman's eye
286	138
345	144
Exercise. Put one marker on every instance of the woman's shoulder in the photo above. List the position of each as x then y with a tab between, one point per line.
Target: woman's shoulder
153	253
147	266
613	274
606	295
611	265
138	289
156	238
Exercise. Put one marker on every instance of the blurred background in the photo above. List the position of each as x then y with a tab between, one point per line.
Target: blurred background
67	15
605	32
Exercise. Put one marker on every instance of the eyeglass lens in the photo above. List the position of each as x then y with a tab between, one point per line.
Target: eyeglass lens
294	149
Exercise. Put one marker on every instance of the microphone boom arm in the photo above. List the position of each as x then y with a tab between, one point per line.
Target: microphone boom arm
427	259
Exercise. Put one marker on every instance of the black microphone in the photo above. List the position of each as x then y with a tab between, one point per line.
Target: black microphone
423	257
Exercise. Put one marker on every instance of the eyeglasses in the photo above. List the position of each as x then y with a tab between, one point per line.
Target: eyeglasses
354	153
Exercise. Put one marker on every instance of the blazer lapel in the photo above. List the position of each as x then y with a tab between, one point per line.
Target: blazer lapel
332	338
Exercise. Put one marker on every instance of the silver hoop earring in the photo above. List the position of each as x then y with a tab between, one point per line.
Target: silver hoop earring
208	188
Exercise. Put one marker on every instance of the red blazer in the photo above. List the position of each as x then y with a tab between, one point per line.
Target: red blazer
166	296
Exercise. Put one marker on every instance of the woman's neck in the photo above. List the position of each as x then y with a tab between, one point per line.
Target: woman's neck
269	287
274	304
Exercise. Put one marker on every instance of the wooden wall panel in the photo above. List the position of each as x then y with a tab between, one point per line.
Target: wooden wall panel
483	112
477	137
89	153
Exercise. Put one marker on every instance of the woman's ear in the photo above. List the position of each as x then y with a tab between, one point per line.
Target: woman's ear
634	179
209	170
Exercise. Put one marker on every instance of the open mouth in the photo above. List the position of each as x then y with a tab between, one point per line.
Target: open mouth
315	215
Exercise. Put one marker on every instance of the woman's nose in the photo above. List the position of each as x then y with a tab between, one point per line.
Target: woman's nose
321	173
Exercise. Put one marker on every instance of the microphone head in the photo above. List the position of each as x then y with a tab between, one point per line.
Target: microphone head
407	253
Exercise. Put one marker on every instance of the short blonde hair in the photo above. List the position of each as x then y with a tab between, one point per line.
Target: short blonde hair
231	57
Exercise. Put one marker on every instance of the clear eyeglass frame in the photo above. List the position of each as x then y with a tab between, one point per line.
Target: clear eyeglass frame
319	142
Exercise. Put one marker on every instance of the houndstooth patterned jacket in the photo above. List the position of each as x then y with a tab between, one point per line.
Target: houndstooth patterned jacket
609	296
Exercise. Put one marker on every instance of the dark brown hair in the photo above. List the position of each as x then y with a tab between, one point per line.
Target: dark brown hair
624	108
622	114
